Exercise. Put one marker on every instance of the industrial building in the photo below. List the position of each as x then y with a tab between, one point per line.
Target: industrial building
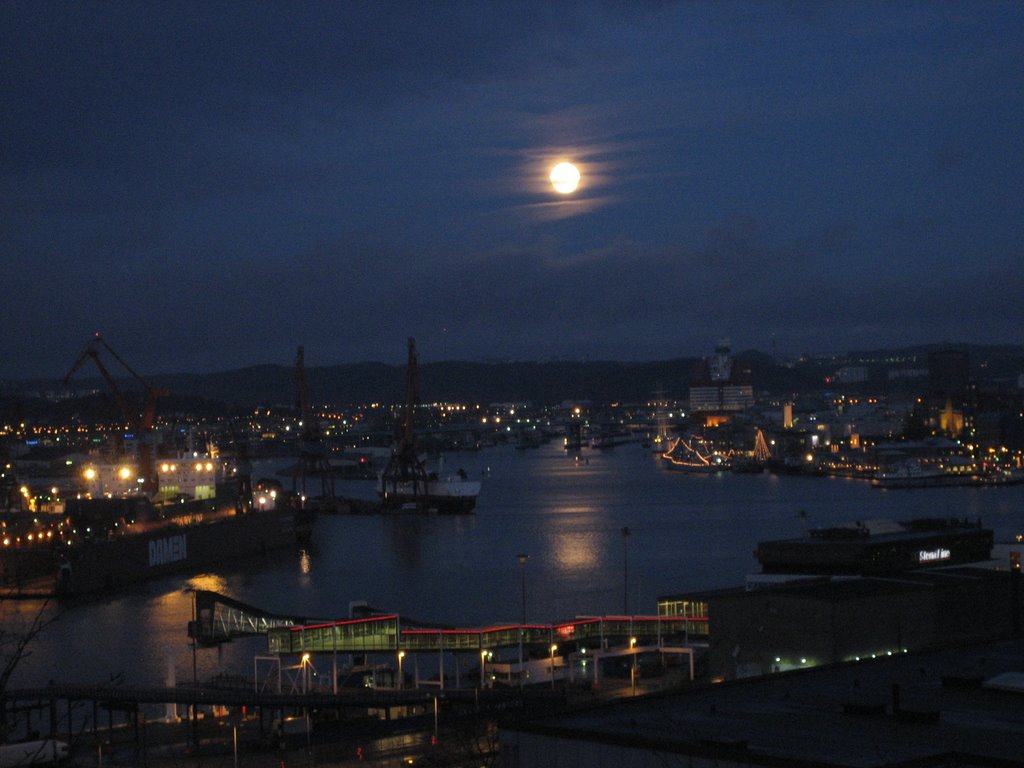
911	668
959	706
831	598
833	620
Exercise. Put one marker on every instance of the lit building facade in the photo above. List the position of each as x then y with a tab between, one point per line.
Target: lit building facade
950	391
722	385
193	477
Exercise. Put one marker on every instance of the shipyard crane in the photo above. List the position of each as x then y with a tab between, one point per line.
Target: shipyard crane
404	465
141	423
312	450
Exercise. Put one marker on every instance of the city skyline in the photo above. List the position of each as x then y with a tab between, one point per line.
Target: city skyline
210	188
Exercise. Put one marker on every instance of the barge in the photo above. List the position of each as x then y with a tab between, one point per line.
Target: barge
100	545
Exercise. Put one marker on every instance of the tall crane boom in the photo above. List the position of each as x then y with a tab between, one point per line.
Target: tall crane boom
141	423
313	458
412	397
405	466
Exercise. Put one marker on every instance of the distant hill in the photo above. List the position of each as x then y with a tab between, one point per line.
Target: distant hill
541	383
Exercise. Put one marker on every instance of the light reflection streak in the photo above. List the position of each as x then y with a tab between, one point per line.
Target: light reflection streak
575	551
572	539
208	582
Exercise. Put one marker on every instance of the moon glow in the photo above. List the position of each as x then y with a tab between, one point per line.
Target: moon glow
565	177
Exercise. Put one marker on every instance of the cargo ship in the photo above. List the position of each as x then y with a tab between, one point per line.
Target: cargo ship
428	493
877	547
911	474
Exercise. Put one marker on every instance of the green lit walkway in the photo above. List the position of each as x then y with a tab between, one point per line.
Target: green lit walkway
220	618
386	633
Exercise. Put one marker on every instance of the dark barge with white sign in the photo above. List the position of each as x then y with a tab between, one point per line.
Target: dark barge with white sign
103	544
877	547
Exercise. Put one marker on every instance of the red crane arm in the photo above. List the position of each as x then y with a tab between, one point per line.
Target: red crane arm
141	424
91	351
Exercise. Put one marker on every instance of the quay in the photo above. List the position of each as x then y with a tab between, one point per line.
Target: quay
379	727
114	724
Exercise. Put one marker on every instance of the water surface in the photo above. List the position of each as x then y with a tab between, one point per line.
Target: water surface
687	532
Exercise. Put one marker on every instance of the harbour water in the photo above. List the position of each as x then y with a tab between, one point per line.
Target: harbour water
567	512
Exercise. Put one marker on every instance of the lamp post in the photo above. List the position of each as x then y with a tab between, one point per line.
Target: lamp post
483	660
625	571
305	672
401	680
632	669
553	649
305	709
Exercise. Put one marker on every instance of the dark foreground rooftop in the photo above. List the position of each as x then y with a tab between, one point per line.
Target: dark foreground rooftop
962	706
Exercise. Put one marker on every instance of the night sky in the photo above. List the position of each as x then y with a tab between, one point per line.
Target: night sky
212	184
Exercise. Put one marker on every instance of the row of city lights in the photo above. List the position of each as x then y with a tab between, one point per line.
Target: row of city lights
40	537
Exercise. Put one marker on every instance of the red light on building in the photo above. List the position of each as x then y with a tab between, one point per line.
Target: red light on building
566	630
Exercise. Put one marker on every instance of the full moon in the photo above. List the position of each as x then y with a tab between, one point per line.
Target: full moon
565	177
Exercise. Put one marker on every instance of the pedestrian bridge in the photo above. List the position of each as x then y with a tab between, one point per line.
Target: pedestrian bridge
220	618
387	633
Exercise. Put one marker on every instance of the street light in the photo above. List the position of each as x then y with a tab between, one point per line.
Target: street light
305	672
304	666
553	649
632	669
625	571
401	680
483	659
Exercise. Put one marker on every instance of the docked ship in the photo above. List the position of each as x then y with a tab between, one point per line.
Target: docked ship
179	543
692	454
102	542
911	474
405	484
136	518
876	547
429	493
609	438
